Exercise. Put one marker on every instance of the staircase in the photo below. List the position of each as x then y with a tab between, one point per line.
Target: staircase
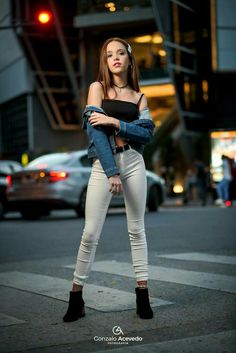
54	53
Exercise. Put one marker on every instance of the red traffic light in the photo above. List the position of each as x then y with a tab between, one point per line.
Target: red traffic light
44	17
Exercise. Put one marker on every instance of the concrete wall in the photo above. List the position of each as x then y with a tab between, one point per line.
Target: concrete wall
45	139
16	79
15	75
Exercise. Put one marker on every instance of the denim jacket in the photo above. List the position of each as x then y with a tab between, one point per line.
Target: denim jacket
102	141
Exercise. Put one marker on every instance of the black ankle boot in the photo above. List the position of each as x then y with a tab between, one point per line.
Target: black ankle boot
144	309
76	307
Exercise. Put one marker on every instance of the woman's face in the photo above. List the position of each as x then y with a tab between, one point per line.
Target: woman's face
117	57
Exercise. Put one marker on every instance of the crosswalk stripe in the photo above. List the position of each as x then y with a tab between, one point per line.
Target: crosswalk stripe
191	278
96	297
196	256
7	320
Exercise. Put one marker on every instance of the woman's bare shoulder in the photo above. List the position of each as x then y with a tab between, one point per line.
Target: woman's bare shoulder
96	85
95	94
142	101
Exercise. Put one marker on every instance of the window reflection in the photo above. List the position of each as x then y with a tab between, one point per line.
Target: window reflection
184	25
99	6
150	55
161	108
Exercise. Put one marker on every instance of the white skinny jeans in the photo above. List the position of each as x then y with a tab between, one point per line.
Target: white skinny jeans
134	184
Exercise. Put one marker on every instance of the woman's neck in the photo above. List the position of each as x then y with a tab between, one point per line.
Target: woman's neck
120	80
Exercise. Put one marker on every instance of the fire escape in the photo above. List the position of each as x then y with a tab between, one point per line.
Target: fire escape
56	55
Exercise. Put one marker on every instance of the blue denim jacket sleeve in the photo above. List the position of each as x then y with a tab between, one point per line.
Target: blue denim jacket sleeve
99	138
140	130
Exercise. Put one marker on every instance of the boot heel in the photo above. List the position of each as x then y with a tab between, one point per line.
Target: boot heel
83	312
76	308
143	308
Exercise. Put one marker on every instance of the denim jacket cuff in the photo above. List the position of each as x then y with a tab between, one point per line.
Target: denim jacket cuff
122	130
112	171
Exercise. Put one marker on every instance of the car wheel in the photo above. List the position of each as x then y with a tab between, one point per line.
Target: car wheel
1	210
154	199
30	215
80	209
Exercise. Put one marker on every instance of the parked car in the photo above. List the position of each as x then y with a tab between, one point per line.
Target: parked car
59	181
6	169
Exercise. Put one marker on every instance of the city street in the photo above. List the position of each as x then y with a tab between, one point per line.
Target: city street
112	88
192	256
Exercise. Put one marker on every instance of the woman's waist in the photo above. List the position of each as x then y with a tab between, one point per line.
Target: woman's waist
119	141
92	151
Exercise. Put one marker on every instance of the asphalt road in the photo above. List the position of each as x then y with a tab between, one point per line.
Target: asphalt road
192	257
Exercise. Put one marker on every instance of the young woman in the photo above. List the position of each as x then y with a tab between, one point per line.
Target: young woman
118	124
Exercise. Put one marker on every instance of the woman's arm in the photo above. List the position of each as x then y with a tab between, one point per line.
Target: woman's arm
97	119
140	130
95	94
101	142
143	103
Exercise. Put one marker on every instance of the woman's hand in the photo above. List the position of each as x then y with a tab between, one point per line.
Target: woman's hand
102	119
115	184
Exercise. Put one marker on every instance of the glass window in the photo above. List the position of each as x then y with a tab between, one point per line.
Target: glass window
150	55
14	125
160	108
5	169
184	60
9	167
16	167
91	6
50	160
184	26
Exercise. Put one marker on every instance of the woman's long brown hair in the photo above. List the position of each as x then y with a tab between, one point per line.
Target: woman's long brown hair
104	75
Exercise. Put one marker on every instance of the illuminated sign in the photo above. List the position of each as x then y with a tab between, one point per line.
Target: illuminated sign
222	143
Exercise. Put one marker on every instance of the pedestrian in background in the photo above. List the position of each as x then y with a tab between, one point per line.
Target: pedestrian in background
210	189
201	181
189	186
223	186
118	124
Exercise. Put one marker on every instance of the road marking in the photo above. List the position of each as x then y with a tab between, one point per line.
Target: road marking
96	297
190	278
6	320
196	256
217	342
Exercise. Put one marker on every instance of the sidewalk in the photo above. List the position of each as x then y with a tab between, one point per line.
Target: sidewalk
178	202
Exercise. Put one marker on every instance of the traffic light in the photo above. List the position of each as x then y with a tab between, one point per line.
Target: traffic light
44	17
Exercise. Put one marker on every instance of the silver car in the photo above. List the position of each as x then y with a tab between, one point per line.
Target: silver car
7	167
59	181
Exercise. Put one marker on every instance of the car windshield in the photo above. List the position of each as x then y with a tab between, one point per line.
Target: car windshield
50	161
9	167
5	169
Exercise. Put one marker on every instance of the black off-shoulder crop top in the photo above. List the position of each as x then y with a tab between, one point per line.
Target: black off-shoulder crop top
122	110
